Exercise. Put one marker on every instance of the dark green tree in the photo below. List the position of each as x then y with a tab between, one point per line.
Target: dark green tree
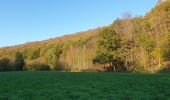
146	42
19	61
107	47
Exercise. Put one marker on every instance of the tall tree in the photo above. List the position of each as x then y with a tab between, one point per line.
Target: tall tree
166	49
53	56
19	61
147	45
107	46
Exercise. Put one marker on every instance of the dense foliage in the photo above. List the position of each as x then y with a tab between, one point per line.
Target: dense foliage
107	49
129	44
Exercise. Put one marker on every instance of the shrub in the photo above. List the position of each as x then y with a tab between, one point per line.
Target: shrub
166	68
7	64
37	66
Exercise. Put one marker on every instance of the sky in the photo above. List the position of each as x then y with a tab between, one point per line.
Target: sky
24	21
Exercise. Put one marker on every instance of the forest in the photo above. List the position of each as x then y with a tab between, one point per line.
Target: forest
129	44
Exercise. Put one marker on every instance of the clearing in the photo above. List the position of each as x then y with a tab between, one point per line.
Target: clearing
83	86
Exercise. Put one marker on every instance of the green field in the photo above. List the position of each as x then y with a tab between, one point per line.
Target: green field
83	86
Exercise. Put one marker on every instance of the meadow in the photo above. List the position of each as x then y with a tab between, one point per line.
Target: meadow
83	86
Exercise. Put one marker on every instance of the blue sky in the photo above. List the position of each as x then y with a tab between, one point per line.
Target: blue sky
33	20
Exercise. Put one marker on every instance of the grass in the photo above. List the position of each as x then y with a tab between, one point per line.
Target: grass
83	86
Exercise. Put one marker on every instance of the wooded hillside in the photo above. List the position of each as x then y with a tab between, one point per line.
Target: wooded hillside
129	44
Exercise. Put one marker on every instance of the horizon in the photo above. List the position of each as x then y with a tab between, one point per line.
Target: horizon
31	21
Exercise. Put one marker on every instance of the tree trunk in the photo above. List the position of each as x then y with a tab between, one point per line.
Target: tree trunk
114	68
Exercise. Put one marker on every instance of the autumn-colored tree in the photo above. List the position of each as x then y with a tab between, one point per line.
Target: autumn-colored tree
166	49
53	56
